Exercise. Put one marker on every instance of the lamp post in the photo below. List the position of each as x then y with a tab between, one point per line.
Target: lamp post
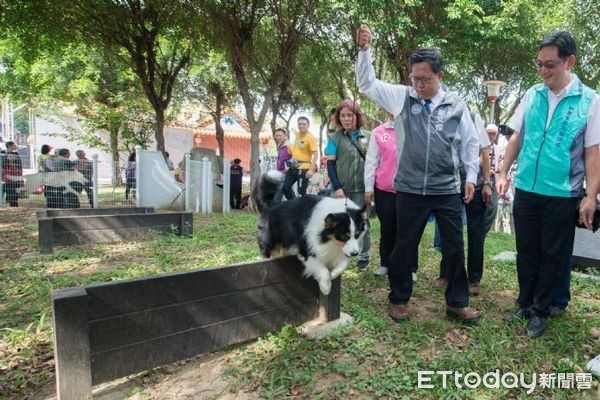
493	91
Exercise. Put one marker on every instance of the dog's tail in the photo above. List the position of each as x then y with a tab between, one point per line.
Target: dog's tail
266	189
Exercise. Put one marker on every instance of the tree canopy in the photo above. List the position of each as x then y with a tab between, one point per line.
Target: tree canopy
273	57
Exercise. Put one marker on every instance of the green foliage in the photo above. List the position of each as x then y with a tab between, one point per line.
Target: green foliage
586	30
373	357
278	56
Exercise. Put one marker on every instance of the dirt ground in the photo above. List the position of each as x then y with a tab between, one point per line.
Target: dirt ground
200	378
15	238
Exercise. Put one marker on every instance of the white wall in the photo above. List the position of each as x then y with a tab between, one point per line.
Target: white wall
178	141
48	132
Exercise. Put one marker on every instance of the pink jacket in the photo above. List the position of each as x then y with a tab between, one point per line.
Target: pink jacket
381	162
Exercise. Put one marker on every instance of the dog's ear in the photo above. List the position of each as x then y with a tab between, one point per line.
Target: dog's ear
330	221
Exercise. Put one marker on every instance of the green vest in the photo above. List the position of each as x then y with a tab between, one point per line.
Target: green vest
550	161
350	165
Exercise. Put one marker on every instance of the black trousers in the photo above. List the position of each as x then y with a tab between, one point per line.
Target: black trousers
292	176
54	197
385	206
90	193
544	230
12	197
476	229
491	210
235	196
412	212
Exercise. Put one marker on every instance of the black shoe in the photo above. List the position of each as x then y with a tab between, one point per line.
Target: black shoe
519	314
556	311
362	264
537	326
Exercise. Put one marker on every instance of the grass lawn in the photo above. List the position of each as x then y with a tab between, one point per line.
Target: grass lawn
372	358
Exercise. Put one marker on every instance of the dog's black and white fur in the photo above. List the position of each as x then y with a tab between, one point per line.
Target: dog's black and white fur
323	232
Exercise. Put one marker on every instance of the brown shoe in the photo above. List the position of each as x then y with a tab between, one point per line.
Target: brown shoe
464	314
474	288
398	312
440	283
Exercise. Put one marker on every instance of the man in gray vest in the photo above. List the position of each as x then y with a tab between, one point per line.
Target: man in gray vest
434	133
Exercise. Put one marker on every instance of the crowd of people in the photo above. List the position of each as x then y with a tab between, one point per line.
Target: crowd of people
445	162
66	194
435	158
60	192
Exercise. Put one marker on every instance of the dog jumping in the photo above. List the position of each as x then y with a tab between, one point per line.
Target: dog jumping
323	232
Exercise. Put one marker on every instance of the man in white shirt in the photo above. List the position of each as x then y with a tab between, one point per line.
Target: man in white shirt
556	140
434	134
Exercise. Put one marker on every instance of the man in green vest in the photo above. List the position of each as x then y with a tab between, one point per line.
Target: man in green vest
556	145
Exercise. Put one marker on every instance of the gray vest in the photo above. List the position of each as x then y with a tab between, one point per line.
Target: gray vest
429	147
350	165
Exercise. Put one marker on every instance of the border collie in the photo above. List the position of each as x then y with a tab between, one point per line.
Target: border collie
322	231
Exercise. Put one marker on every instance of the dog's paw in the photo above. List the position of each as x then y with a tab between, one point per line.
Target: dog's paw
337	271
325	286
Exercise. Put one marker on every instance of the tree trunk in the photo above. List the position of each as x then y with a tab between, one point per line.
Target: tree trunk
220	132
273	123
117	180
160	126
323	126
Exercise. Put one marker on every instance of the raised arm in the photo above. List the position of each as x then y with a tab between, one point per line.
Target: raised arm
390	97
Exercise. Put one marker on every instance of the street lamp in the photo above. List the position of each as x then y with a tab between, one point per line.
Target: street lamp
493	91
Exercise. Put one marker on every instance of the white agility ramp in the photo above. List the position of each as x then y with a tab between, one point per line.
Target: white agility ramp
155	185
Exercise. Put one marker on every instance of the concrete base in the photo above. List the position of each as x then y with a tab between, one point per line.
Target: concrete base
318	330
588	277
506	256
593	366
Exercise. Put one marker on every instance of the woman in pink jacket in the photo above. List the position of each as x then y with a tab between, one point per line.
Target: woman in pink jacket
380	170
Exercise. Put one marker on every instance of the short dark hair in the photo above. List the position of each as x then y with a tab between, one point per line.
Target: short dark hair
305	119
354	107
237	161
332	112
46	148
64	152
563	40
429	55
10	143
281	130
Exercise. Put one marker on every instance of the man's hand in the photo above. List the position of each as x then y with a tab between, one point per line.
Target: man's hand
587	208
369	197
469	190
363	37
339	193
501	185
486	192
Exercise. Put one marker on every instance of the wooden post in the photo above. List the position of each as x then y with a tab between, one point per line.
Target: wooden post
187	224
46	235
329	306
71	344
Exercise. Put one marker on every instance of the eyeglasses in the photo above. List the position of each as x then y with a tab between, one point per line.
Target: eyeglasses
415	81
548	64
